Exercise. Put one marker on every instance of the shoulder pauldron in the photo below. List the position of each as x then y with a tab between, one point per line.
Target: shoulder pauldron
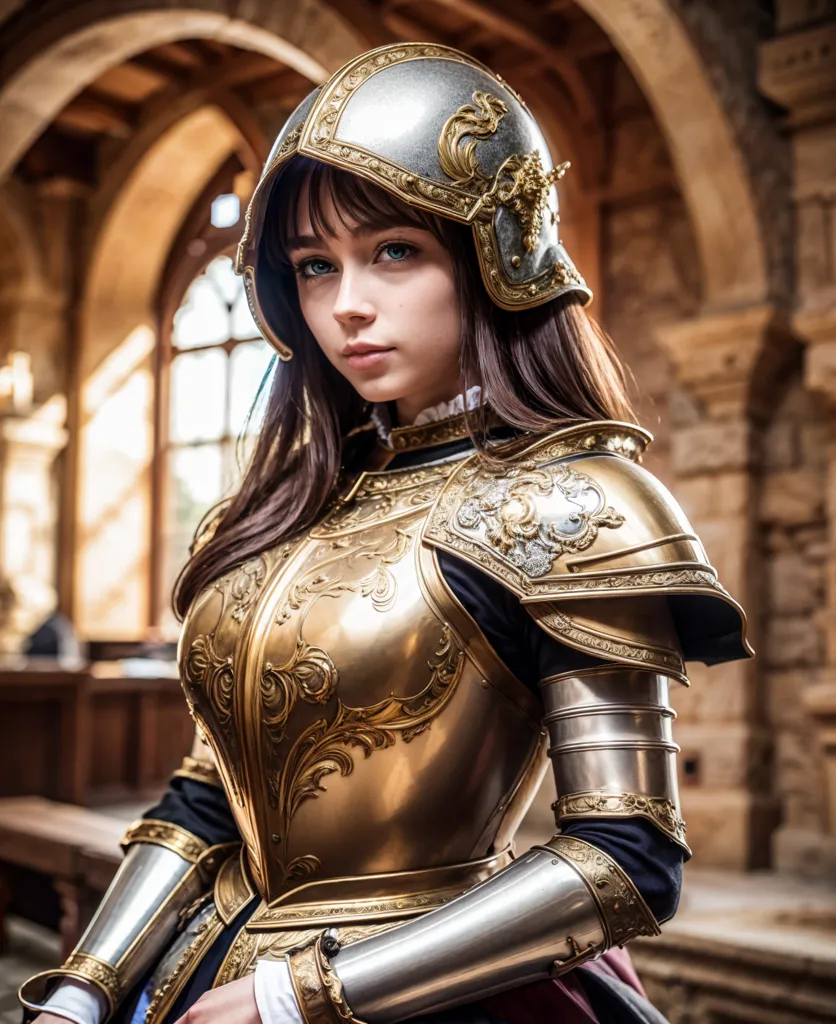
572	517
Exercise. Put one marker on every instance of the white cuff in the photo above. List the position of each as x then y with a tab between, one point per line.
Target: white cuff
274	995
78	1001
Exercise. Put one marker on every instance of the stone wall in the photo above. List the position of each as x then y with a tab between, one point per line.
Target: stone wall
650	270
793	525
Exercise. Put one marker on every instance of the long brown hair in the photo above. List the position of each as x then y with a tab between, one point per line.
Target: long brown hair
542	367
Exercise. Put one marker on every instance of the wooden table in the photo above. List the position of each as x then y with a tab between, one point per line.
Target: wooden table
75	847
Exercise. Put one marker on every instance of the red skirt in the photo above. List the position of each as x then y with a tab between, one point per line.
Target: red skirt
561	999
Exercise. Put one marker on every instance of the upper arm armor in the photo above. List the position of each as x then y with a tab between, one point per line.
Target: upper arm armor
569	522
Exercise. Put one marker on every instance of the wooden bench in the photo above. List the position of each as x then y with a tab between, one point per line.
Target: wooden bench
75	847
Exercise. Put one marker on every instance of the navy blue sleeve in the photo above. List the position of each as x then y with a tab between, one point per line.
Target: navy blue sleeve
198	807
528	651
653	862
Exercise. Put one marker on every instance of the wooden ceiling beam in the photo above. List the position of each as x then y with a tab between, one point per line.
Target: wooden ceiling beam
408	30
520	24
242	69
95	115
366	18
203	51
169	73
528	29
287	88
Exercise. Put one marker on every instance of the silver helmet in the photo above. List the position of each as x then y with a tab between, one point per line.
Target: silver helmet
444	133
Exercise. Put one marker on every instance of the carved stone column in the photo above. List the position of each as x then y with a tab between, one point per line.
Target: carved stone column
798	71
717	413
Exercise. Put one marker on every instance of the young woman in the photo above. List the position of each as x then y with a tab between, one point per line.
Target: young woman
445	567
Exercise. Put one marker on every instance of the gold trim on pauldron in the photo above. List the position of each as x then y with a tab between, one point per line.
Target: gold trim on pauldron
660	811
83	967
526	520
620	649
318	990
164	833
624	914
199	771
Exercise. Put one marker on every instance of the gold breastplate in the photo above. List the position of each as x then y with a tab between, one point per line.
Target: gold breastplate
361	723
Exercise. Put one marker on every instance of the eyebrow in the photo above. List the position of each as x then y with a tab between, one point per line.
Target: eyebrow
363	230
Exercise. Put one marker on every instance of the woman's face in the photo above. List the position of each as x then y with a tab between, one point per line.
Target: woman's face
382	303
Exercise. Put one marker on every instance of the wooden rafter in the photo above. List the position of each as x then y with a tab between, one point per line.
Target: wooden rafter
205	51
365	18
97	115
165	70
409	30
526	27
241	69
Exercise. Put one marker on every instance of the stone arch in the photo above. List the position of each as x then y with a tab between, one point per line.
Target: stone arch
69	49
115	384
655	45
252	145
30	310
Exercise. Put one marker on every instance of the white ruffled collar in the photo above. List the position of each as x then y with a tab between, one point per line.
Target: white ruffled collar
472	398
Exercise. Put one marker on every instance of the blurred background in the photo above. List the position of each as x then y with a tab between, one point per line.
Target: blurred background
700	206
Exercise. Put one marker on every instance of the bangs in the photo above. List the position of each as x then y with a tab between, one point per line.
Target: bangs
335	199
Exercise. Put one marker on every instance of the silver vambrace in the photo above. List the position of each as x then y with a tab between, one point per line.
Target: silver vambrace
165	869
556	906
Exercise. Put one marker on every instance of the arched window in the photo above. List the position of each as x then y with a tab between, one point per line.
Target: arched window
218	360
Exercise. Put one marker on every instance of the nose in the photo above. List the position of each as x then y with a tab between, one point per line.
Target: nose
353	305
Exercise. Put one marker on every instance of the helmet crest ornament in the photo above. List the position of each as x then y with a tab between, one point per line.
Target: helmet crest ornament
471	123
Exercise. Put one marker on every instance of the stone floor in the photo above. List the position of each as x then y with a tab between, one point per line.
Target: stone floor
759	949
30	949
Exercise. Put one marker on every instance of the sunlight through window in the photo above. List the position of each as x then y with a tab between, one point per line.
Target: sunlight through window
220	365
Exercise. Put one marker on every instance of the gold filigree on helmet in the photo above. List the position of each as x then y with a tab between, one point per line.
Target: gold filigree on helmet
442	132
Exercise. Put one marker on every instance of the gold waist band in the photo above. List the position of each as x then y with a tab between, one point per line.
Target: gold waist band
361	898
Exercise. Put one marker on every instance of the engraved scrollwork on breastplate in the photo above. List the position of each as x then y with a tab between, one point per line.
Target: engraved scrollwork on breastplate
383	496
379	584
208	675
507	508
323	748
245	586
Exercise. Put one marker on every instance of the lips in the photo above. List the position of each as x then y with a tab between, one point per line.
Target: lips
368	360
360	355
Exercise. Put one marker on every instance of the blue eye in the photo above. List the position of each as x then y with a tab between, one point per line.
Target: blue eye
315	268
397	251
